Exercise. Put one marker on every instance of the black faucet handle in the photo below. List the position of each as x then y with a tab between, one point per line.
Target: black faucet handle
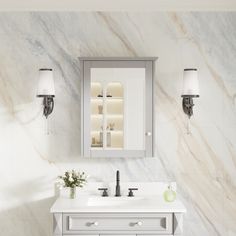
131	194
104	193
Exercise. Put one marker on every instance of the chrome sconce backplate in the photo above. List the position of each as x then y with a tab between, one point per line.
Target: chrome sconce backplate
48	104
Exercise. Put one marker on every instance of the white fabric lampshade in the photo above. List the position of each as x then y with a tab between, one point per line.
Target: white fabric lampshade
190	83
46	83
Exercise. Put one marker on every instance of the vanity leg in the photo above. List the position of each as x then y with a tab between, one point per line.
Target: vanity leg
57	224
178	224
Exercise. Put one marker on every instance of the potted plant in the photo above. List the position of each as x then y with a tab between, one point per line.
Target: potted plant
72	179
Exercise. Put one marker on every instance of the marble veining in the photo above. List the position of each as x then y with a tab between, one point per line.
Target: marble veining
203	164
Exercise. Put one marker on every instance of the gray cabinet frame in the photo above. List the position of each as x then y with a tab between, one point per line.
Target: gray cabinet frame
86	63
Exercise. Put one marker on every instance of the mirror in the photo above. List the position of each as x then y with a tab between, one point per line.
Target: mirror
114	104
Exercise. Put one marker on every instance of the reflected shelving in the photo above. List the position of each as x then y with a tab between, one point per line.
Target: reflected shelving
107	115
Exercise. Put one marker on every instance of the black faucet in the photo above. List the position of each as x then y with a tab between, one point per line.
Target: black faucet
117	184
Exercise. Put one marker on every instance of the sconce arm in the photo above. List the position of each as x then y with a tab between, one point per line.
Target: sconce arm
188	104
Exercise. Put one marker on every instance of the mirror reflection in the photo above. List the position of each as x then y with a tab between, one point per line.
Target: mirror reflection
117	108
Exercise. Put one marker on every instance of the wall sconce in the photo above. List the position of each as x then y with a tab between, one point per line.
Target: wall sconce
46	90
190	90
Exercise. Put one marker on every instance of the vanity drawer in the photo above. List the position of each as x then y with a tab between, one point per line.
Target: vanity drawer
106	223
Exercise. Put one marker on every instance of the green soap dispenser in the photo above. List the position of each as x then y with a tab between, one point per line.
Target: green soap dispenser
169	195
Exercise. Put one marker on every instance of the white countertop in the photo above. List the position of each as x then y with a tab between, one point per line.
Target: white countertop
141	204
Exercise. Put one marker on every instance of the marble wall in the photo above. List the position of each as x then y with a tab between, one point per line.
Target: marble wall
203	163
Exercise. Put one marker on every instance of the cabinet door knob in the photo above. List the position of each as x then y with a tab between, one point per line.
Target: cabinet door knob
94	223
148	134
139	223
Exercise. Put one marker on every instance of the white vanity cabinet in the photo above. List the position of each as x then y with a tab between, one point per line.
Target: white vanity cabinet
145	214
117	107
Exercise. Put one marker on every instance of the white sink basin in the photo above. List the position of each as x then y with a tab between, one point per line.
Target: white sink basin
114	201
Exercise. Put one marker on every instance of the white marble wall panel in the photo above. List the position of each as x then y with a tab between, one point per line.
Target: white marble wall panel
203	164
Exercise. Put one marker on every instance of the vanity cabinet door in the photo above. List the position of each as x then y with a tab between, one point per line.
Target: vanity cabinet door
117	107
118	224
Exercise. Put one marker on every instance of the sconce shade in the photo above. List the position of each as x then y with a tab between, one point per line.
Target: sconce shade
46	83
190	83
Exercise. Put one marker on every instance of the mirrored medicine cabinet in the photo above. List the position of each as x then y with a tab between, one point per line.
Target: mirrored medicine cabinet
117	107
